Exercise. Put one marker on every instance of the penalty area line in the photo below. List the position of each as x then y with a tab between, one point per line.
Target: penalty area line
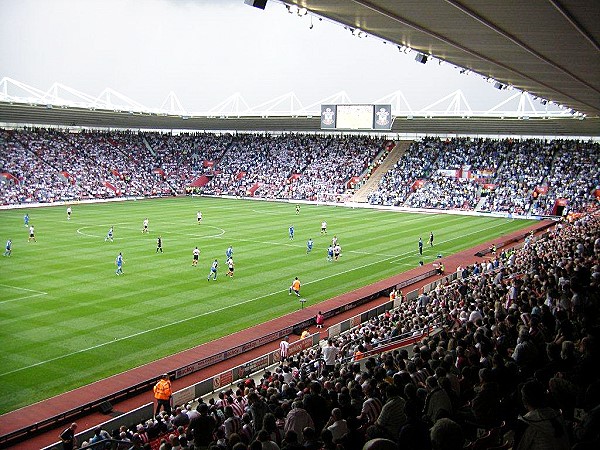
34	293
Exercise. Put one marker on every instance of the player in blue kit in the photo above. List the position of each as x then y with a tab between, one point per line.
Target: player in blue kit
291	232
26	219
119	264
309	245
330	253
8	248
229	252
213	270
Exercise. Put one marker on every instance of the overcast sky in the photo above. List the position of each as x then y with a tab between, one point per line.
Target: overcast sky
207	50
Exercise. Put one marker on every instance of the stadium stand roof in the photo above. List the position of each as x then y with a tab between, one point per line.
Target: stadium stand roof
83	117
549	48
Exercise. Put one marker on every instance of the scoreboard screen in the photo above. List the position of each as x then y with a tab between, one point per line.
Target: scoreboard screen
356	117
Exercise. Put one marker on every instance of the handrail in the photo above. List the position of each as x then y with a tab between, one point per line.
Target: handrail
397	341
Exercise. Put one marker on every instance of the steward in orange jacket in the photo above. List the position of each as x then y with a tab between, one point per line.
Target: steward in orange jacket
162	394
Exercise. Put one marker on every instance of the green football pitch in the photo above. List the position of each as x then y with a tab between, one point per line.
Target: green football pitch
67	320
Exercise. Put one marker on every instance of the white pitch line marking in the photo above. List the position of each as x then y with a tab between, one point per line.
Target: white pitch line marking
448	240
187	319
35	293
130	227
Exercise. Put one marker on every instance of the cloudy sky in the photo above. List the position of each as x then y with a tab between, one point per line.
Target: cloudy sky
207	50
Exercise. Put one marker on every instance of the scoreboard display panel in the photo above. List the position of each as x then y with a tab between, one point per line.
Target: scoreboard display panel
356	117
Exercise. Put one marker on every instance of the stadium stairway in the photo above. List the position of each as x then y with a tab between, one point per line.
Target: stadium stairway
362	195
148	146
480	203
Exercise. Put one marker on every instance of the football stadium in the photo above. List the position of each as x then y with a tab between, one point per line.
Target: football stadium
412	270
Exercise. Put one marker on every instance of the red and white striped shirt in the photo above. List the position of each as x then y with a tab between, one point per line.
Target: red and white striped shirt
284	347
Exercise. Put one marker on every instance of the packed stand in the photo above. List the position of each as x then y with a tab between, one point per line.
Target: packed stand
524	167
447	193
186	156
515	357
575	176
333	163
53	165
458	158
507	176
262	162
37	181
492	175
291	166
397	184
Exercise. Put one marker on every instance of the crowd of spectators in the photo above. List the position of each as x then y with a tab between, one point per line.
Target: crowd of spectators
186	156
262	162
292	166
53	165
524	166
37	182
506	176
574	176
397	184
333	163
514	358
445	193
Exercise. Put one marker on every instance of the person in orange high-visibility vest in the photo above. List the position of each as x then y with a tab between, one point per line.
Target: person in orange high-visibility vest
359	353
162	394
295	287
